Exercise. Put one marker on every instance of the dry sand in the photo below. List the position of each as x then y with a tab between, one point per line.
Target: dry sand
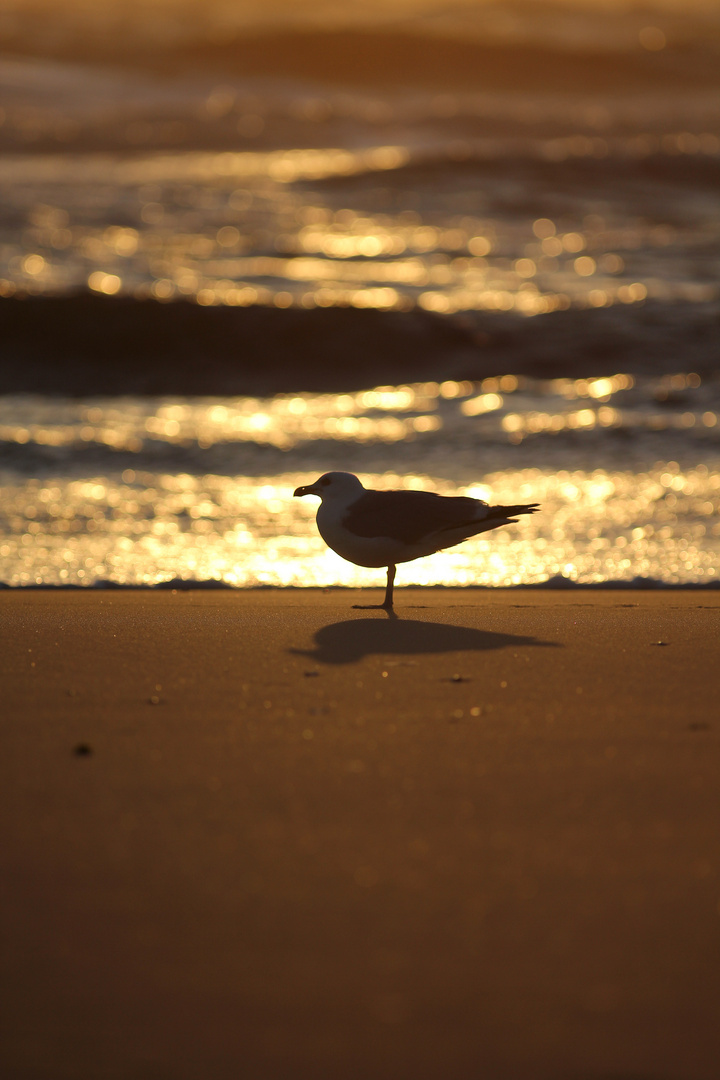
260	835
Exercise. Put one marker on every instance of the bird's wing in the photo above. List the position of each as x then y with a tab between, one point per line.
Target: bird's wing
409	516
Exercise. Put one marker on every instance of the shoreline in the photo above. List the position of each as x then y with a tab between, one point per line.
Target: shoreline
551	585
258	832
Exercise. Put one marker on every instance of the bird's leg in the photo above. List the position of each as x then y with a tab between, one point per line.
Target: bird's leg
388	601
387	604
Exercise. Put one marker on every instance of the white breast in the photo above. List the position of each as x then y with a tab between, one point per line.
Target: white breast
361	550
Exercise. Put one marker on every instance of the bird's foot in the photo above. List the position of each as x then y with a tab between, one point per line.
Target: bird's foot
387	608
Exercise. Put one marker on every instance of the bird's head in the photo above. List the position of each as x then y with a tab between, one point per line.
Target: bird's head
333	485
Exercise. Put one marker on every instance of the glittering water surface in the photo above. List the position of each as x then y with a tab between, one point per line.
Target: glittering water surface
134	491
407	226
320	195
224	189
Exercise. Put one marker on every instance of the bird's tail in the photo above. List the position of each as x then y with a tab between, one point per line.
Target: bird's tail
507	513
496	516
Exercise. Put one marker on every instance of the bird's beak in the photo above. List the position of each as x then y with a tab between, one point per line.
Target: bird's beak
307	490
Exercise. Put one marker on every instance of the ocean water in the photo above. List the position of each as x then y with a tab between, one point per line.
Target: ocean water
141	491
276	190
450	219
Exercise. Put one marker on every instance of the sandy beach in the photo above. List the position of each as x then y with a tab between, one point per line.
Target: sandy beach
264	835
248	831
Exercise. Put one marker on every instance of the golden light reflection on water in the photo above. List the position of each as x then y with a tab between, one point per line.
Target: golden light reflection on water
238	229
140	491
143	528
510	408
282	421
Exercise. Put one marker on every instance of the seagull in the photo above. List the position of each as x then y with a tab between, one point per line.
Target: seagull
383	528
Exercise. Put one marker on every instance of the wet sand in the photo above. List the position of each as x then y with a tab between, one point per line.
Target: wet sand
264	835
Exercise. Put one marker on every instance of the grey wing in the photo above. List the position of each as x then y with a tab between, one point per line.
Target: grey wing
409	516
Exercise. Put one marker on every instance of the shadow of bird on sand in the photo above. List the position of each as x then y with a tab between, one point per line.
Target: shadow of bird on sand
350	641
